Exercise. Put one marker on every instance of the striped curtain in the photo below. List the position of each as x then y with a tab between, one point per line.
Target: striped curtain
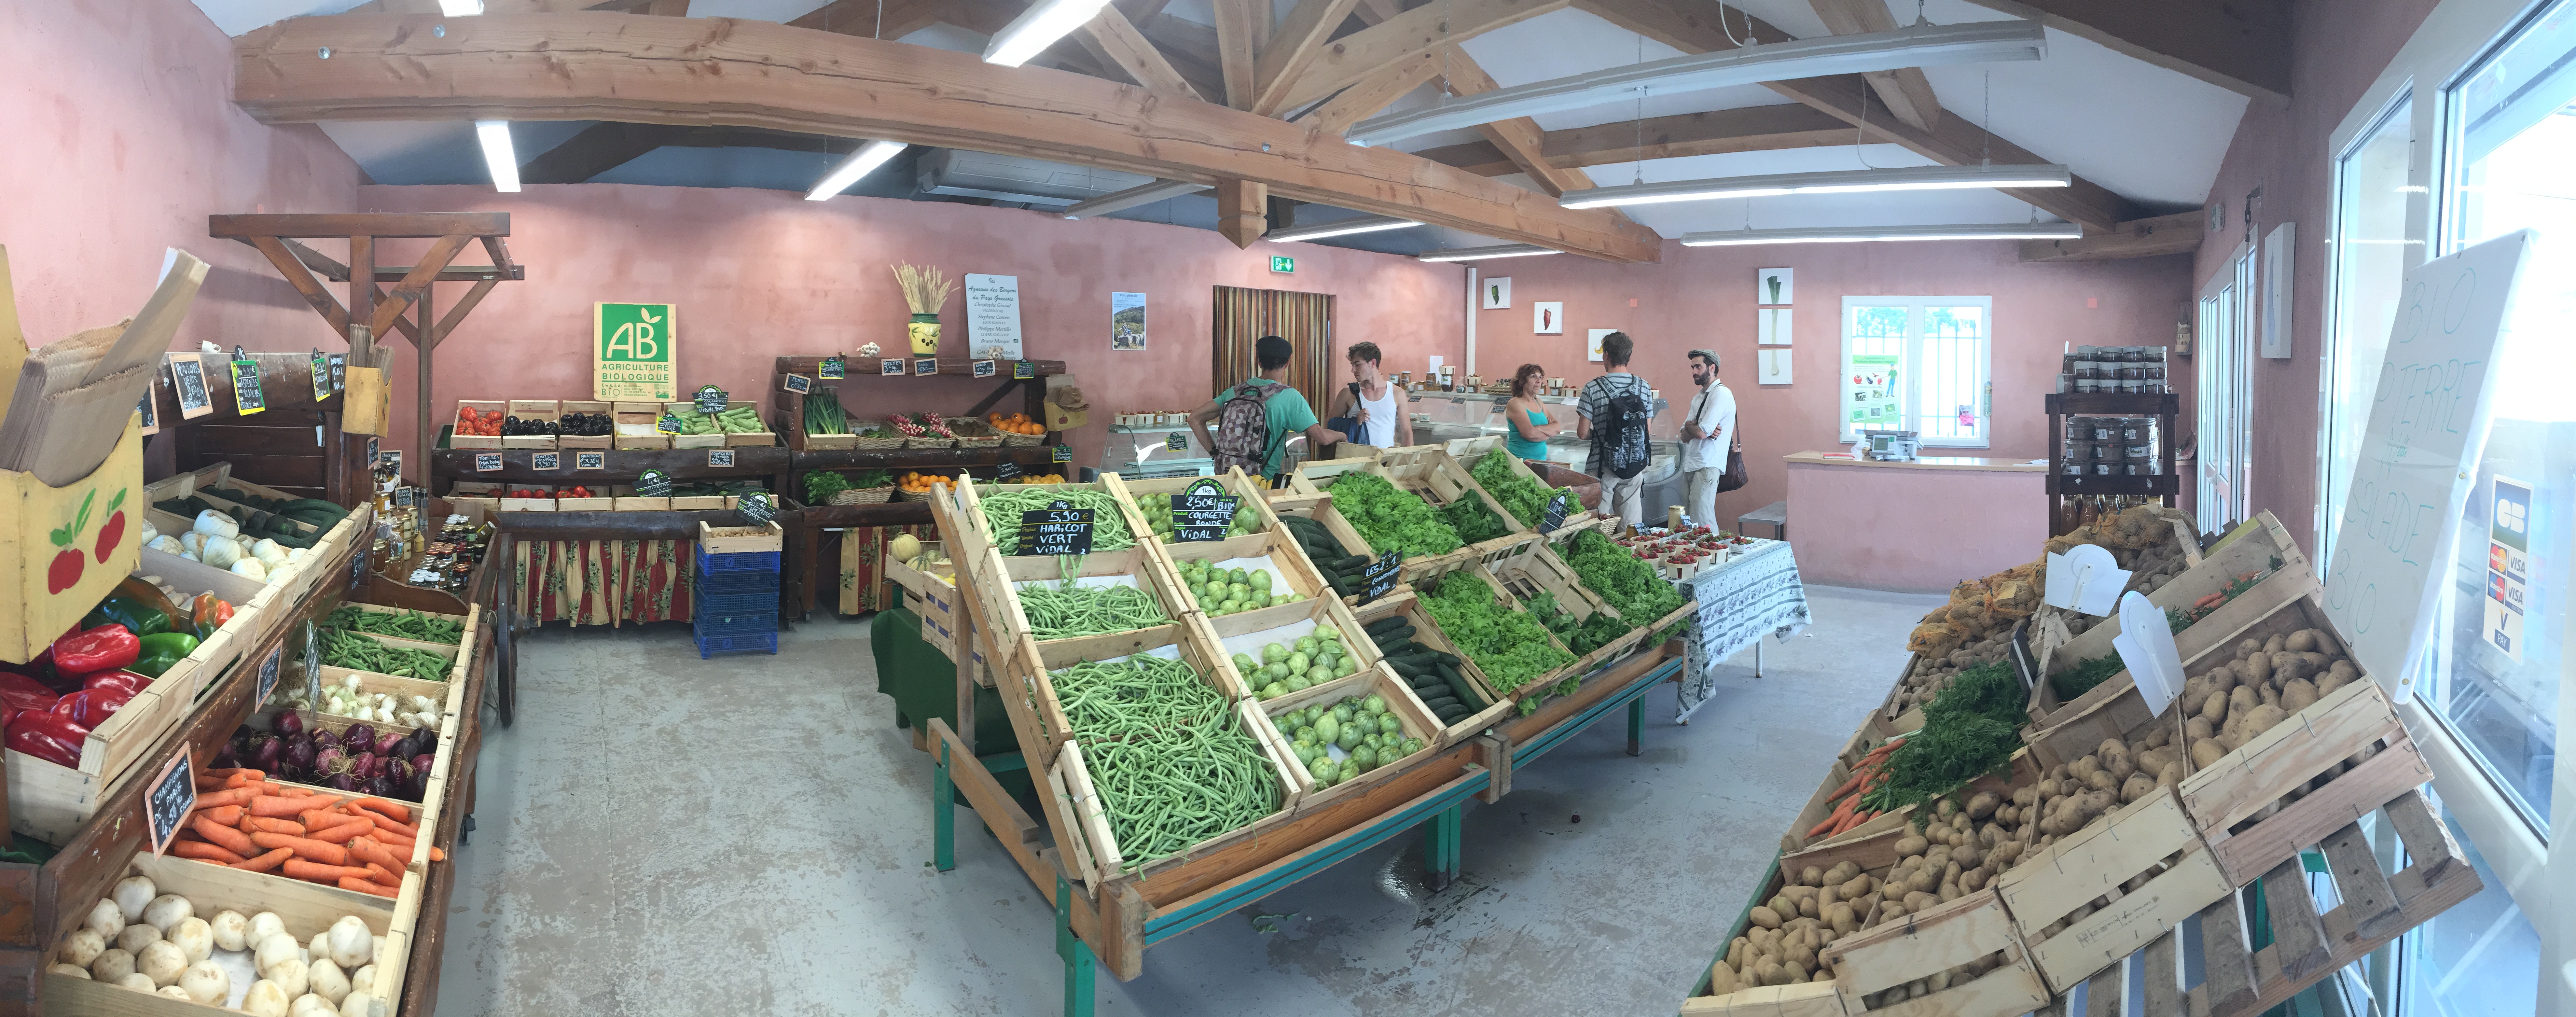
1304	319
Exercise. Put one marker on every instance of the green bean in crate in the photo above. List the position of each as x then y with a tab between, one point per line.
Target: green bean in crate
359	653
1063	610
426	628
1003	506
1143	696
1166	793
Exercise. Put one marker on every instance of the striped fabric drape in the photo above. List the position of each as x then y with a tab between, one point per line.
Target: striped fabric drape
1304	319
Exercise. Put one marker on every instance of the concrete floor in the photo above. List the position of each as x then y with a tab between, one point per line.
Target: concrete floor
651	812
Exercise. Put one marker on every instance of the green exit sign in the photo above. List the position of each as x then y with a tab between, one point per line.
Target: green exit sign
1282	263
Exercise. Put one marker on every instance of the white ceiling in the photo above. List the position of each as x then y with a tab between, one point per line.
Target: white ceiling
2152	135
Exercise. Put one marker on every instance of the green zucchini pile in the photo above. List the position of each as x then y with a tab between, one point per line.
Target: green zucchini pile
273	518
1342	569
1432	674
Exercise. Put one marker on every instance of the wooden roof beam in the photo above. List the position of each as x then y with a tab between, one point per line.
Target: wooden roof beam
1906	91
2179	233
1381	48
2242	46
1291	48
1519	138
1114	40
1242	29
723	72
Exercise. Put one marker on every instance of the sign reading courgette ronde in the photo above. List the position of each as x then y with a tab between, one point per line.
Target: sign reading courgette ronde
634	353
1203	513
1056	529
653	484
756	507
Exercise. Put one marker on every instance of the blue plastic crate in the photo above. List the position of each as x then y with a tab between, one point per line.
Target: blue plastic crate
740	623
736	582
766	642
737	604
747	561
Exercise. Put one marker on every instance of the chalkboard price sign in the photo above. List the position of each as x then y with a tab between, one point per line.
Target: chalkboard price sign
1557	506
925	365
151	422
720	458
1064	453
188	382
1024	370
268	673
374	452
1056	529
983	368
711	400
246	393
833	369
590	460
545	460
174	792
756	507
653	484
1203	512
670	424
486	462
1379	579
321	376
799	384
358	564
402	497
1005	471
339	372
890	366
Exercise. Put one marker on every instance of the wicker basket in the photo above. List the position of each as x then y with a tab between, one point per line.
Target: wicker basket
863	496
973	433
903	495
877	444
1024	440
929	442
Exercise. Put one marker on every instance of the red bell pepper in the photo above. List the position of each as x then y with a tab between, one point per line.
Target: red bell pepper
20	692
127	680
51	737
91	707
98	649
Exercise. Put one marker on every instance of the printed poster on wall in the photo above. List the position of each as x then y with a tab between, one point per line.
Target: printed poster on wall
1126	321
993	316
632	355
2508	566
1597	335
1869	392
2427	430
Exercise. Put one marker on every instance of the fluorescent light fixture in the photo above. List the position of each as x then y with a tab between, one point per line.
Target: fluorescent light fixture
1341	228
460	8
859	164
1142	194
1038	28
1912	178
497	154
1863	234
1920	46
1481	253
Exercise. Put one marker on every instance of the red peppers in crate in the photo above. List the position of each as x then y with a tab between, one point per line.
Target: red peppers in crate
91	707
51	737
132	683
98	649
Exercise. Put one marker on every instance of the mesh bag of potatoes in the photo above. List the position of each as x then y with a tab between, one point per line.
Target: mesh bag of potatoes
1974	628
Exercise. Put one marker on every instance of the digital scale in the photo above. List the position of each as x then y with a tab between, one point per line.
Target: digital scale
1892	446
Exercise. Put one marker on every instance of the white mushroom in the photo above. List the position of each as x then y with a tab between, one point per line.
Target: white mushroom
173	992
310	1005
327	980
207	983
67	969
274	948
132	894
82	947
106	919
357	1004
163	961
167	910
351	943
262	926
112	965
133	938
319	948
232	931
194	937
363	979
138	982
264	999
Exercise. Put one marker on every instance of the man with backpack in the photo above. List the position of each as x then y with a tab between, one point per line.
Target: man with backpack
1614	413
1254	419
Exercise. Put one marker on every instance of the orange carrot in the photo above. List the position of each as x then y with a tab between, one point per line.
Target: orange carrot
266	862
203	851
257	823
226	837
233	796
276	806
368	886
391	810
374	853
297	868
341	834
382	875
310	850
398	829
1836	818
228	815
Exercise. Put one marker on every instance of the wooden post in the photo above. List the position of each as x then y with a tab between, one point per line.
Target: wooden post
1242	210
362	300
1494	753
420	348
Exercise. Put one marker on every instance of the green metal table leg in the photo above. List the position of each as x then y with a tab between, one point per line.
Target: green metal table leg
1440	845
1079	966
943	814
1636	725
1456	818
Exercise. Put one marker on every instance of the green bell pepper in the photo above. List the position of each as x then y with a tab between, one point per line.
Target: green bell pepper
161	651
136	616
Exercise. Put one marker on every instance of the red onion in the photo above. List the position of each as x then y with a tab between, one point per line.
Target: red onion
342	782
331	762
367	767
288	723
358	738
385	743
426	738
299	754
398	769
385	787
264	753
421	764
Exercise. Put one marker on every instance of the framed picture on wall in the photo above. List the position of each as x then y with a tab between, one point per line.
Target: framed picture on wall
1774	367
1773	326
1547	317
1498	294
1774	286
1597	334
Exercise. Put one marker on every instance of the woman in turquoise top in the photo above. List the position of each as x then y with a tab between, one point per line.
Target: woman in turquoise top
1530	432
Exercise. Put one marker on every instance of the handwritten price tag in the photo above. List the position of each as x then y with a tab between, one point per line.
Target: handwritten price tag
720	458
486	462
983	368
925	366
590	460
545	461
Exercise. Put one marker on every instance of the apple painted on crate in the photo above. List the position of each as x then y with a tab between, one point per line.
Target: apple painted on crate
66	546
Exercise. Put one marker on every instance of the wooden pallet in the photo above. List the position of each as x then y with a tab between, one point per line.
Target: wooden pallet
1427	632
2253	549
2095	862
2377	906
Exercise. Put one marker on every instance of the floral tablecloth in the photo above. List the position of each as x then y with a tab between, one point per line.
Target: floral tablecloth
1752	595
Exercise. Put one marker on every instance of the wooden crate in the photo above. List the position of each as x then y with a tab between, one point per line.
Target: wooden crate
52	802
1003	608
459	439
466	620
1538	686
1872	844
1254	495
740	539
1247	631
1540	571
1468	451
2225	799
1440	481
1313	476
1290	570
1101	840
1968	929
1498	706
2253	553
2375	906
1032	668
59	567
968	500
1319	508
1376	680
1805	999
934	598
2093	863
533	409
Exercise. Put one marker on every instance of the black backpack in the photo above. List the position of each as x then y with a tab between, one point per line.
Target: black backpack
1619	438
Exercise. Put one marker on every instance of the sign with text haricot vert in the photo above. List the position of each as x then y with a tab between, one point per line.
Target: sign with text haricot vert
633	353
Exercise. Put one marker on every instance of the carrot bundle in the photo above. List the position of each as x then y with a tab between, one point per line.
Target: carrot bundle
1848	815
243	821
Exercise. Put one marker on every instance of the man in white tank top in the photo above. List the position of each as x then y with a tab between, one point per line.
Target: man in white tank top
1380	409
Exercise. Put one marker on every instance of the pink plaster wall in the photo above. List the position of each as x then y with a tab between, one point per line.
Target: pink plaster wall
2338	47
122	138
1918	531
756	274
1703	298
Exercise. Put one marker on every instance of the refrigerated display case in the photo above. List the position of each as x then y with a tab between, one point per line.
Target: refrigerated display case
1447	416
1148	451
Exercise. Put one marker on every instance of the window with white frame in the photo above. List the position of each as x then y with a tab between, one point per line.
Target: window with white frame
2371	253
1919	364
